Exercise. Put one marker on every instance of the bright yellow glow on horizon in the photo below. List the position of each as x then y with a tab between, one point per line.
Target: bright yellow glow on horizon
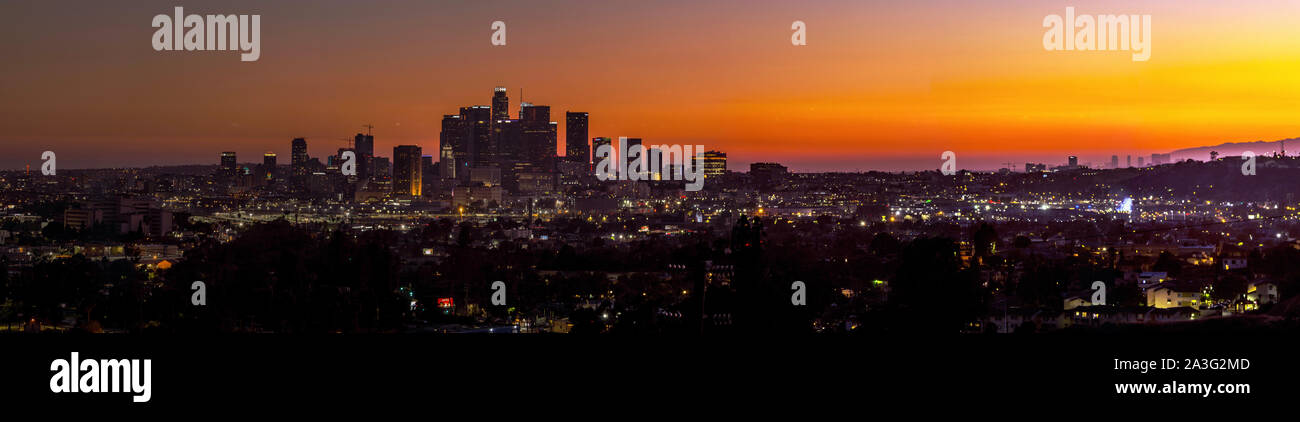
877	79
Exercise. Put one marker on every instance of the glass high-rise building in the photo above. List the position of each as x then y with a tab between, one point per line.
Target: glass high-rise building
538	134
481	143
628	145
298	162
595	148
715	163
507	137
364	146
575	137
268	166
228	162
407	170
447	161
500	104
455	137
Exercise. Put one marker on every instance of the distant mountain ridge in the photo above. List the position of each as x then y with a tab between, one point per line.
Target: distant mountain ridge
1237	148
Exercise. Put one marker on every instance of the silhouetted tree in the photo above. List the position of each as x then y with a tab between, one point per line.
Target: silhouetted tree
1168	263
931	290
985	240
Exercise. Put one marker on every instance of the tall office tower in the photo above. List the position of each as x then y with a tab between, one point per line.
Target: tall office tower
538	135
628	145
478	121
228	164
447	161
298	156
455	135
507	137
512	153
653	158
595	147
268	166
624	144
364	146
1128	161
575	137
383	169
1140	161
1114	161
529	112
429	168
500	104
407	170
715	163
298	162
597	142
547	154
1074	161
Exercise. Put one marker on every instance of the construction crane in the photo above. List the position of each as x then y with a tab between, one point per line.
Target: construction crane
368	128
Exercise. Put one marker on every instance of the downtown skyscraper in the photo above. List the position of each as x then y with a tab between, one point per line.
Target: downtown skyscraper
715	163
484	140
575	137
407	170
538	135
455	137
228	164
478	138
597	142
363	146
268	166
298	162
500	104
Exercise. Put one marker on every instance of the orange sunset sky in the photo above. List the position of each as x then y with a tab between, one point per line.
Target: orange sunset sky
879	85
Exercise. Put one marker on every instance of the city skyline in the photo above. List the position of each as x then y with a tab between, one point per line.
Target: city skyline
422	205
910	164
947	76
576	130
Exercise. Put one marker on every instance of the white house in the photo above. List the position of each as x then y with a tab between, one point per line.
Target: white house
1262	292
1167	296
